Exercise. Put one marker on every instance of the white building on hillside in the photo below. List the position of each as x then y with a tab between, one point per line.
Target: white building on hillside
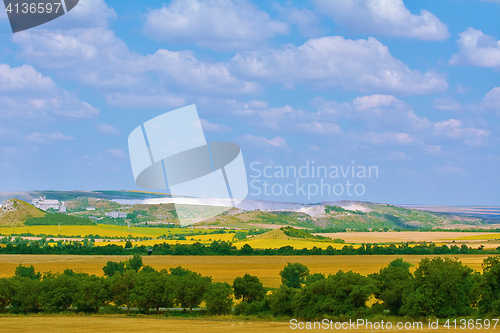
116	215
45	204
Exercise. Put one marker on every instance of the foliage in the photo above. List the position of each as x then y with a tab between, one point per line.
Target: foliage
392	283
294	275
248	288
57	218
218	298
490	287
280	301
444	288
342	293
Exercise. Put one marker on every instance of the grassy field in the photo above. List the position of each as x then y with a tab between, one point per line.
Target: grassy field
110	324
99	229
222	268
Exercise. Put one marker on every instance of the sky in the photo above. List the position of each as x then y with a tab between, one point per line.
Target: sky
410	89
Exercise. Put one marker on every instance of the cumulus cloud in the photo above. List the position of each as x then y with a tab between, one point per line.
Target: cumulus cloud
453	128
446	104
261	143
363	65
107	129
221	25
213	127
87	14
305	19
23	78
384	17
317	127
477	49
386	138
492	100
96	57
48	138
26	93
373	101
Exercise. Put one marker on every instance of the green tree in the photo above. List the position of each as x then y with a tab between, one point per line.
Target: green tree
294	275
179	271
128	245
57	292
25	295
248	288
148	292
444	288
342	293
120	286
490	287
28	272
91	294
280	301
311	278
190	288
135	262
5	293
392	283
218	298
112	268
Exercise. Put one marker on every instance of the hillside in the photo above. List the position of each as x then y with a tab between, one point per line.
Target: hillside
14	212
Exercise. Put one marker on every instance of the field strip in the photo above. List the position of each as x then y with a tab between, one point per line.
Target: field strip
224	268
110	324
409	236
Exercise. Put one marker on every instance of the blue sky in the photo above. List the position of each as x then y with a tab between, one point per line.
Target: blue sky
412	88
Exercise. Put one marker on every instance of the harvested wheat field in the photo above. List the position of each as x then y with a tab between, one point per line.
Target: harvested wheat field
409	236
222	268
110	324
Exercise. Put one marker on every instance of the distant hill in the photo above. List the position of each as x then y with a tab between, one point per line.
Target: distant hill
14	212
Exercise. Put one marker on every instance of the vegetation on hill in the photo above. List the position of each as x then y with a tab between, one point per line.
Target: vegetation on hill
14	212
56	219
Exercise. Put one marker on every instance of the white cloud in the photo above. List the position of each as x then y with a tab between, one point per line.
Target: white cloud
131	100
87	14
97	58
384	17
449	169
492	99
362	65
373	101
48	138
453	128
217	24
316	127
446	104
305	19
261	143
25	93
477	49
23	78
215	128
107	129
387	138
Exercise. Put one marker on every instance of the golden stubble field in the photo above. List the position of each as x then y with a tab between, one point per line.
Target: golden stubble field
111	324
223	268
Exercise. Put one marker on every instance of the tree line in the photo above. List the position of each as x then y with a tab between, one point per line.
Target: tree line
87	247
445	288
